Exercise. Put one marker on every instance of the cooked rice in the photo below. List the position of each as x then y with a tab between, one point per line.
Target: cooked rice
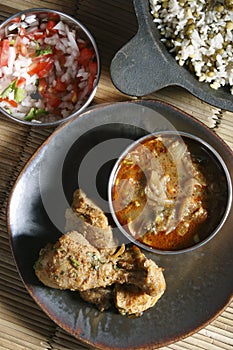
200	35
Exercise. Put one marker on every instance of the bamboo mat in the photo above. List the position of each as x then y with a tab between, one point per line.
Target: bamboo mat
23	325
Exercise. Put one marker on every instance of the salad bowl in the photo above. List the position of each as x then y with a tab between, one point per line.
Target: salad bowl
49	67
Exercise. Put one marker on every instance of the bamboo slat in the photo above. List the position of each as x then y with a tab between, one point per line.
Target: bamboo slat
225	128
21	5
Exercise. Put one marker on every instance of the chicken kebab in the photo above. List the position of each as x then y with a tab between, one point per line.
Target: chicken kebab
88	259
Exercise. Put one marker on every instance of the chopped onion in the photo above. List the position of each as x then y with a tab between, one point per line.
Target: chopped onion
31	19
60	26
13	26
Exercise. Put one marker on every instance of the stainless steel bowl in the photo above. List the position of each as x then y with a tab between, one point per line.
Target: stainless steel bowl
217	177
83	33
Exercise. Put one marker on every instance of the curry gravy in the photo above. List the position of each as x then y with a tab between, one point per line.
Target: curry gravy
163	192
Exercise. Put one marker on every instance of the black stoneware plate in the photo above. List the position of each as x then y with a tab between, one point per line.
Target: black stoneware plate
144	65
81	153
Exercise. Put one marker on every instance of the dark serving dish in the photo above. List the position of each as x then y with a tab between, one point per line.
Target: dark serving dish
199	283
144	65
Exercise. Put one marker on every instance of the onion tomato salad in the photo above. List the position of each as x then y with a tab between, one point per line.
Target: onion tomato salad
46	70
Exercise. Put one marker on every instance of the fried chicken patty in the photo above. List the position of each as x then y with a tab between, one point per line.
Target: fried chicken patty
103	273
73	263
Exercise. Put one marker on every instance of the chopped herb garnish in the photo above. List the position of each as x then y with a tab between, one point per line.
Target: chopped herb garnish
75	263
35	113
19	93
10	88
95	264
46	51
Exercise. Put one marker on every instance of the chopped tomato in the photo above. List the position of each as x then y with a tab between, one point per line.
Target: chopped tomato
45	69
20	82
85	56
54	17
52	100
92	68
81	45
4	51
11	102
42	58
93	71
90	83
60	85
41	68
50	25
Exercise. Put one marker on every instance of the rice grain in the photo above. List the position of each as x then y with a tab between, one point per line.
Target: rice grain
200	36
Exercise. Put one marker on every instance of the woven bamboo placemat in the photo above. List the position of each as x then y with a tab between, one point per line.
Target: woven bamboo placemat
23	325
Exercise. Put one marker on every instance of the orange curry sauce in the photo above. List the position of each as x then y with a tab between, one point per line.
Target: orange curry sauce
159	194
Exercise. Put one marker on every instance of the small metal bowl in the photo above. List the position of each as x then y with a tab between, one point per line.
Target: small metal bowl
217	192
82	33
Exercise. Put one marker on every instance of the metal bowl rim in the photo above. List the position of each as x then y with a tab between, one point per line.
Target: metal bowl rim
205	144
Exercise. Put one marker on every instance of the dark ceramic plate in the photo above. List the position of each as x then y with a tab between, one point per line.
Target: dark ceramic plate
144	65
81	153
